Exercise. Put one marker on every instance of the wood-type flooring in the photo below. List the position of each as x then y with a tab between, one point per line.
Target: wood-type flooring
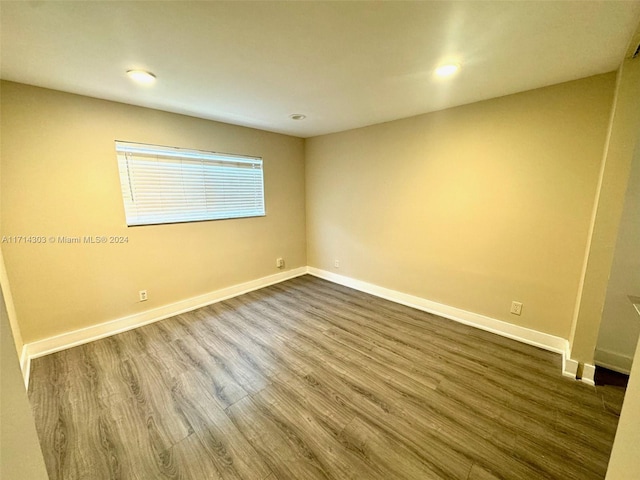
309	380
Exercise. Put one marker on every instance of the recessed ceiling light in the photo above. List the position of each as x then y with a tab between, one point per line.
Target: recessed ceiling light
297	116
141	76
447	69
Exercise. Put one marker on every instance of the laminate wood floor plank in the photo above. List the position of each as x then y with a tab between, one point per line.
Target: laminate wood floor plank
501	443
380	334
326	405
387	418
489	430
433	416
307	379
506	351
325	348
261	347
214	433
55	425
479	473
241	366
137	449
510	359
286	453
319	436
433	323
189	355
519	421
390	458
483	364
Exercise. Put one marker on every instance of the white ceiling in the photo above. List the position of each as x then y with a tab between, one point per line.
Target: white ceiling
343	64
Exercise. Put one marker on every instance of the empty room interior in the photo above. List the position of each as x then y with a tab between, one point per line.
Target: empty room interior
320	240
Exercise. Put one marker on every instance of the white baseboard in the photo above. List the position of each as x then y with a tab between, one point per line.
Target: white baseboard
569	366
25	366
615	361
505	329
113	327
588	374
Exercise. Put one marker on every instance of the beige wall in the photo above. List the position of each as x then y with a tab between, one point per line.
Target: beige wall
472	207
9	307
8	298
624	463
624	135
20	454
620	326
60	177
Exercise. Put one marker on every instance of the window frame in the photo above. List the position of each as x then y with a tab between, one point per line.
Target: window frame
134	218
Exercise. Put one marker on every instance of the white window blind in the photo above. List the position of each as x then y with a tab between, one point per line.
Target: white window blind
170	185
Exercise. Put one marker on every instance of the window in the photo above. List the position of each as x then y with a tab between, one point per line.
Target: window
170	185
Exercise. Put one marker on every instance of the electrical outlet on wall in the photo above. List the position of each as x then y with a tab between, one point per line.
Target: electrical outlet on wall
516	308
336	263
142	294
280	262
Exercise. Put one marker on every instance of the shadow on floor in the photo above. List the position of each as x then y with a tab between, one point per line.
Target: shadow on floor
611	387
